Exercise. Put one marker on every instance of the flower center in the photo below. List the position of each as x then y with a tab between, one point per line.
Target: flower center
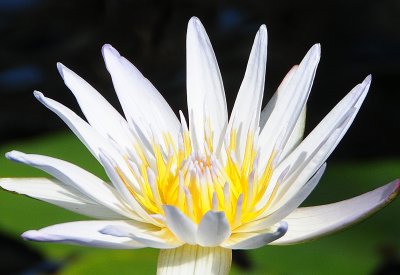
195	182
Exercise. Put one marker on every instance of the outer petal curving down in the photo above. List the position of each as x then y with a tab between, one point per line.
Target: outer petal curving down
83	233
309	223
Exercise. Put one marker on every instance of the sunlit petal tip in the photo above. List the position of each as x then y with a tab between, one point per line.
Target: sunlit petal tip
37	94
395	192
6	184
108	49
61	68
263	33
110	55
16	156
316	48
368	79
197	32
194	21
19	157
66	74
40	97
315	52
36	235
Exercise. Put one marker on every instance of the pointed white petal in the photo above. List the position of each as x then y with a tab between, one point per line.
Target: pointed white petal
301	171
288	106
99	113
213	229
247	108
297	135
319	144
309	223
59	194
255	240
81	180
87	135
82	233
142	103
351	102
95	142
267	111
151	236
205	91
183	228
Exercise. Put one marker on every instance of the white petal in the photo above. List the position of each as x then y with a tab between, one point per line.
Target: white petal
140	100
309	223
82	233
255	240
213	229
205	91
247	108
351	102
289	104
183	228
100	114
303	168
319	144
152	236
267	111
297	135
87	135
95	142
83	181
57	193
286	208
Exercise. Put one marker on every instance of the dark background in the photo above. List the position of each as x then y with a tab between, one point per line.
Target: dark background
358	38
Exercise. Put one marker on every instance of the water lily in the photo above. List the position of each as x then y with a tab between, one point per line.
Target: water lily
196	191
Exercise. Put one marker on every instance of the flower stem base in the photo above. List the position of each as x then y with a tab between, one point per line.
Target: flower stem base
194	259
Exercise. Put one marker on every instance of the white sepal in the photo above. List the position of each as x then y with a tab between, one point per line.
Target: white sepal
205	90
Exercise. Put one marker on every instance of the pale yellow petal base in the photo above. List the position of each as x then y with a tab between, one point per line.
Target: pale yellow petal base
194	259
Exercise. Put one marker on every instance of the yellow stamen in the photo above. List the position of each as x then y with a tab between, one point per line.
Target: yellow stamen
197	182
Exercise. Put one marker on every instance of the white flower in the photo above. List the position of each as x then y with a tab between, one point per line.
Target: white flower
204	188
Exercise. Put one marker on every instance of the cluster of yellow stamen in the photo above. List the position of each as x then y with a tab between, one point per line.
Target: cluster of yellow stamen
196	182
